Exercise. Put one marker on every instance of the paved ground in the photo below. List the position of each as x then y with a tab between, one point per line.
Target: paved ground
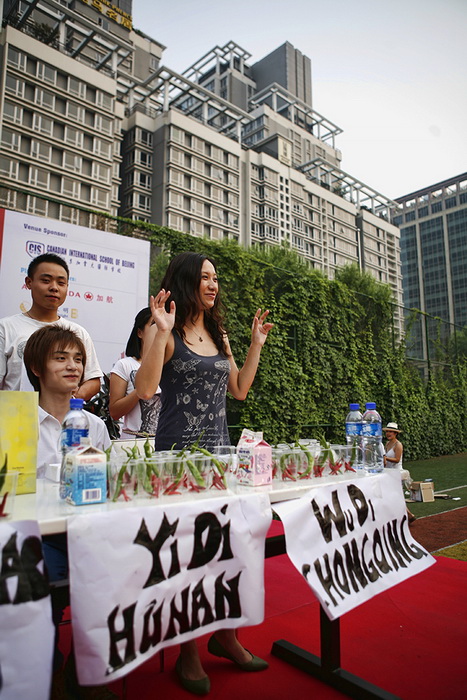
441	530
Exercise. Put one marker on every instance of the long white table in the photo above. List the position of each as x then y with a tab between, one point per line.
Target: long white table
52	513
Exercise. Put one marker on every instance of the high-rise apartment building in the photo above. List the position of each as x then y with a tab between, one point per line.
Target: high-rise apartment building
64	66
91	120
433	228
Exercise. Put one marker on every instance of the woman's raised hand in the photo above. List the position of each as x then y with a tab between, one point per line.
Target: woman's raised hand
164	320
260	329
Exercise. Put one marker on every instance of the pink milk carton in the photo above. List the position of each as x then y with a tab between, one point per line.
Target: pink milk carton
254	460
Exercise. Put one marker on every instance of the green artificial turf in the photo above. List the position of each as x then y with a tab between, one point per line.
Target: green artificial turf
449	475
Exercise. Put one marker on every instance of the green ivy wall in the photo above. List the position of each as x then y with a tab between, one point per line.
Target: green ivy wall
332	344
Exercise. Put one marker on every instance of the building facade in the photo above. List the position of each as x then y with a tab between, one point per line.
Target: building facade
91	120
433	229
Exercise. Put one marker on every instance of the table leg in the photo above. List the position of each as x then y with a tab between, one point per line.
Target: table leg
327	668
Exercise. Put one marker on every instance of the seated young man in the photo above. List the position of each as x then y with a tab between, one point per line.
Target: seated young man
55	360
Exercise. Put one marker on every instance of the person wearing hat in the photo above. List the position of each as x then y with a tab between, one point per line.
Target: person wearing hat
393	455
394	448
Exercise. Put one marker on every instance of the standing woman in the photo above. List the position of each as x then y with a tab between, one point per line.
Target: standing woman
393	454
139	417
190	358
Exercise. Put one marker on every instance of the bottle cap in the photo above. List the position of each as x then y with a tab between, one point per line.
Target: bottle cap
354	406
370	406
76	403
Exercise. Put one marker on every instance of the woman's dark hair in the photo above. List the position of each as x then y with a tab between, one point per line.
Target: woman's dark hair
182	279
133	346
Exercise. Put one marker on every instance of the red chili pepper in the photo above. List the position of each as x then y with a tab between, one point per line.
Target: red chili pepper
318	470
335	468
171	490
156	484
2	506
124	494
218	483
305	475
348	467
287	474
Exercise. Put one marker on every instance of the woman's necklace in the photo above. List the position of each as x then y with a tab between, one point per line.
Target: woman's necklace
200	338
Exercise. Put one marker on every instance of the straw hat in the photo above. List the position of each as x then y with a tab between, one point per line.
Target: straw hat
393	426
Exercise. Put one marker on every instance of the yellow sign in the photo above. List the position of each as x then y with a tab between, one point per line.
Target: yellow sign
111	11
19	435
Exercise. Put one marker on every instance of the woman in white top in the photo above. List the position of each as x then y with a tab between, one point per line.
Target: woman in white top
139	417
393	455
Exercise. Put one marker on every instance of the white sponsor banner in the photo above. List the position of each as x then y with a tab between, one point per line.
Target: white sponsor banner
351	540
26	628
109	276
158	576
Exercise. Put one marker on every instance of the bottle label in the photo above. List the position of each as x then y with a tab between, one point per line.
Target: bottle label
71	437
353	429
372	430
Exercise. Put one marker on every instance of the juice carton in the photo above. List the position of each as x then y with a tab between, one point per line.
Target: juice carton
254	460
86	475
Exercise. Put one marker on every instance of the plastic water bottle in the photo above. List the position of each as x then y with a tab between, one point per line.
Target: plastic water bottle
372	435
74	427
353	435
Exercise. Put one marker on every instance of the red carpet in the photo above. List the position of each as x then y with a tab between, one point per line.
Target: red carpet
410	640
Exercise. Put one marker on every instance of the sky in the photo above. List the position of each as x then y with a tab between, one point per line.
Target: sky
391	73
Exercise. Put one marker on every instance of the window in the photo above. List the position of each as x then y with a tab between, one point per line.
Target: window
8	167
14	86
36	205
146	137
76	87
72	162
16	59
103	124
69	214
73	137
46	72
104	100
42	124
100	172
102	148
10	140
99	197
144	202
70	187
40	150
450	202
145	181
45	98
13	113
145	159
75	112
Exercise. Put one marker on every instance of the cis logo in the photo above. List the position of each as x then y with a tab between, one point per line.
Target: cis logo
88	296
33	248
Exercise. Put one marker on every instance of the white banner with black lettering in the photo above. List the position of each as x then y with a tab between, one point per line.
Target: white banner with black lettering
151	577
351	540
26	628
